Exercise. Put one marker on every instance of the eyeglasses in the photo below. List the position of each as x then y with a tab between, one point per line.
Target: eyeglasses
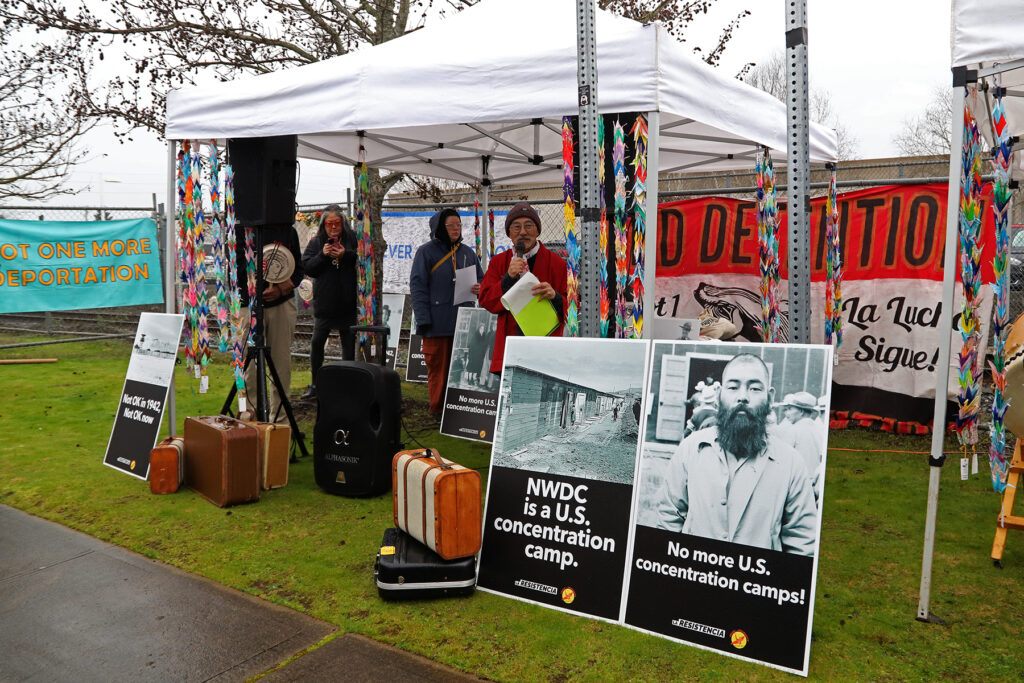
525	226
334	223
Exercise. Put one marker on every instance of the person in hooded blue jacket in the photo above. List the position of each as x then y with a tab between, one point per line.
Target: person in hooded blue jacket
432	288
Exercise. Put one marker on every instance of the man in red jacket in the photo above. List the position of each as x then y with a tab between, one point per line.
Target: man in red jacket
522	225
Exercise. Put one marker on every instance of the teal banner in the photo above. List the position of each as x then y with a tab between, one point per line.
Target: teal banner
64	265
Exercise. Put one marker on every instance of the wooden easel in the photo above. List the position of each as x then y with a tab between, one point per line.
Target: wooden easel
1006	519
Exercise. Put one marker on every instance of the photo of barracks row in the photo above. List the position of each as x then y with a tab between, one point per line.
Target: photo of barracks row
536	404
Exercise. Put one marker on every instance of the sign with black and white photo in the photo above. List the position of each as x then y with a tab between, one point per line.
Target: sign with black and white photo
416	365
391	311
727	515
560	489
471	399
137	422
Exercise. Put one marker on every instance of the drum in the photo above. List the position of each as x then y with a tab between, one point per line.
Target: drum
278	263
1014	418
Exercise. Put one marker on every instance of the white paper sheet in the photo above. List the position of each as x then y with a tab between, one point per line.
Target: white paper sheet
465	278
520	294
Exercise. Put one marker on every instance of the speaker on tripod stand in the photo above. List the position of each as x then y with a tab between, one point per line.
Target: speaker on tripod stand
265	179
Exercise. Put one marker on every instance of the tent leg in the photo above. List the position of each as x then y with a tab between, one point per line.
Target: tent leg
651	238
938	457
170	252
485	231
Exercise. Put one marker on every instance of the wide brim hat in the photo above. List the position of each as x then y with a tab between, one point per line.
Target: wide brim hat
801	399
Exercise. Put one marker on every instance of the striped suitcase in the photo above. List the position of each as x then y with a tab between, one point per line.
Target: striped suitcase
437	502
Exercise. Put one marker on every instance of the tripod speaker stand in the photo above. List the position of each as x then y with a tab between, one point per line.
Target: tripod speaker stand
266	171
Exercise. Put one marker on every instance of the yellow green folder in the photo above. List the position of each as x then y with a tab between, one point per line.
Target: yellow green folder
535	316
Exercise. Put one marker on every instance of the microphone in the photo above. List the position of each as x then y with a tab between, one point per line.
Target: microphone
521	253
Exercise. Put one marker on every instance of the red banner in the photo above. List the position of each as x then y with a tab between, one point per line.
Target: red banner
893	231
891	242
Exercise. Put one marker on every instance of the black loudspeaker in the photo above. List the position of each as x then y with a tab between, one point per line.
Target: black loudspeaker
357	430
266	172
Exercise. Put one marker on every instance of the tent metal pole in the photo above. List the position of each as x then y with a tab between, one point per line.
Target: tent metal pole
589	220
937	457
170	297
798	174
651	243
485	227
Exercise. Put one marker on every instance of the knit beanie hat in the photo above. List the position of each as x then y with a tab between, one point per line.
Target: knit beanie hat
521	210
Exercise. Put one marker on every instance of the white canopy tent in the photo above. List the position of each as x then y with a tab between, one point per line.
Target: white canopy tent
987	40
479	97
494	80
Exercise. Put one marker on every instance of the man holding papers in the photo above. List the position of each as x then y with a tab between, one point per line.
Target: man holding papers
436	268
530	264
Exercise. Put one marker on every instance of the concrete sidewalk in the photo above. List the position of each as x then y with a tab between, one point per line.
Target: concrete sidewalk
76	608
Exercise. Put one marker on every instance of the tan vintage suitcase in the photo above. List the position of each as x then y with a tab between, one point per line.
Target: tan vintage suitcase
273	442
437	502
167	465
223	461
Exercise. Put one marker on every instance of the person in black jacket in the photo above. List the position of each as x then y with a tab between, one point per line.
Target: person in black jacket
330	259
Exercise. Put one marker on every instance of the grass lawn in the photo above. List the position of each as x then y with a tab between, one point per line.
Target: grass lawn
314	552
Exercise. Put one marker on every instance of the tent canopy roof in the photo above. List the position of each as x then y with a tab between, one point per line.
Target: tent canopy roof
494	80
988	36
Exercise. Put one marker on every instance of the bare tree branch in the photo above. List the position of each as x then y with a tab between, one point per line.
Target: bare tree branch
770	76
39	124
929	132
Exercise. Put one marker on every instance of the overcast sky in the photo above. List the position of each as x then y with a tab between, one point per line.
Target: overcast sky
880	61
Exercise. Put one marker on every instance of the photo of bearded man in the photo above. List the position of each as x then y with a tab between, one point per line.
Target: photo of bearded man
735	481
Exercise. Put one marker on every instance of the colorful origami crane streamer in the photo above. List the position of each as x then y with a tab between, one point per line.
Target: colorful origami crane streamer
367	288
476	228
639	132
621	239
768	246
602	260
184	237
191	288
572	245
969	375
1001	201
202	337
250	276
219	270
490	233
238	339
833	269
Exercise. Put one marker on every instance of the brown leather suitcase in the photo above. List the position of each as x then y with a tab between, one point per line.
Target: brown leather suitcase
223	461
167	465
437	502
273	443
